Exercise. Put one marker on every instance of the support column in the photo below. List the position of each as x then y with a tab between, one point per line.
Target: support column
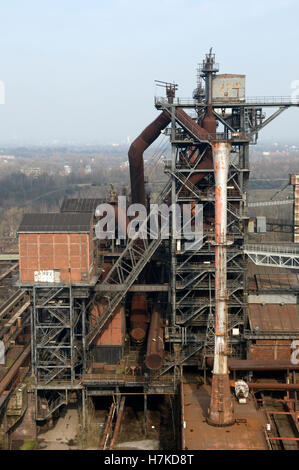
145	414
83	411
221	406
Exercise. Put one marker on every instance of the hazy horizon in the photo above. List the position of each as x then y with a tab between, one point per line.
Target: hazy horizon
79	73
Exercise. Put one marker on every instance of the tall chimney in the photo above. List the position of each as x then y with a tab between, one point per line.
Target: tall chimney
221	406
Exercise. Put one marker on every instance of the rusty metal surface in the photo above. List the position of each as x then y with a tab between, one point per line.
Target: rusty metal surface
221	411
11	373
138	317
155	344
118	422
264	278
68	257
135	154
273	317
245	434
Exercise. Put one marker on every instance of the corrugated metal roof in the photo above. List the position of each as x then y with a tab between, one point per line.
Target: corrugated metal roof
274	317
263	278
80	205
56	222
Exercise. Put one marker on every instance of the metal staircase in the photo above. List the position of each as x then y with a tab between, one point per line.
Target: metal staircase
52	407
186	353
128	267
188	124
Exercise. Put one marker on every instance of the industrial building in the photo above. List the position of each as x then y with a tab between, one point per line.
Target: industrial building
110	317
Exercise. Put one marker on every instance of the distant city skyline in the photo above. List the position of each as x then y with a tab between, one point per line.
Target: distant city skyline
83	72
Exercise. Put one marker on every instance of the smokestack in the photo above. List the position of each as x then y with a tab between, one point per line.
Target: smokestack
221	406
138	317
135	154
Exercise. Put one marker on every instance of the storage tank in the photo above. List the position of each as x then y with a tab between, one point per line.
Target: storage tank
228	87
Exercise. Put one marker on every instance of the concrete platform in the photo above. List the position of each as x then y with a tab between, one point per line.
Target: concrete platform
246	434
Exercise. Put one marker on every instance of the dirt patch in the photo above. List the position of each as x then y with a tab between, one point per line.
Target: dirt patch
63	435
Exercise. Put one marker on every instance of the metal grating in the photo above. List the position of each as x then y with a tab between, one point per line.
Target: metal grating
80	205
56	222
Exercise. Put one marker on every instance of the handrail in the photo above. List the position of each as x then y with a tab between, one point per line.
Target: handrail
287	250
248	99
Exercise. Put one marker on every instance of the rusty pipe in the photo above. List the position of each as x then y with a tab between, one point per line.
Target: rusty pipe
138	317
9	376
221	407
155	344
209	122
269	386
190	125
208	130
135	154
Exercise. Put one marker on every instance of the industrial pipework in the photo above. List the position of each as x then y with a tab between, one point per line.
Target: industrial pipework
138	317
221	407
155	343
135	154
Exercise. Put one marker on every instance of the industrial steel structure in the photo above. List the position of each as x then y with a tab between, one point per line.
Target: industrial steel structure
149	304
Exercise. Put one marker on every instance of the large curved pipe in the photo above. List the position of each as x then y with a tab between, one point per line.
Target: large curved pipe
209	126
155	343
138	317
206	132
135	154
269	386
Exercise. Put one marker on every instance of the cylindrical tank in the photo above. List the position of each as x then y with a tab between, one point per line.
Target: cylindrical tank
155	343
138	317
140	144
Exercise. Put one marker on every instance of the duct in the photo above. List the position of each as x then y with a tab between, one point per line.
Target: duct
138	317
135	154
191	126
221	410
255	365
269	386
209	130
155	343
10	375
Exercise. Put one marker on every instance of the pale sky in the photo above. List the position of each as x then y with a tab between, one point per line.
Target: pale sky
83	71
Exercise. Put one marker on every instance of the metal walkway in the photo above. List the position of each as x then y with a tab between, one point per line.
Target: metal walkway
273	255
270	203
